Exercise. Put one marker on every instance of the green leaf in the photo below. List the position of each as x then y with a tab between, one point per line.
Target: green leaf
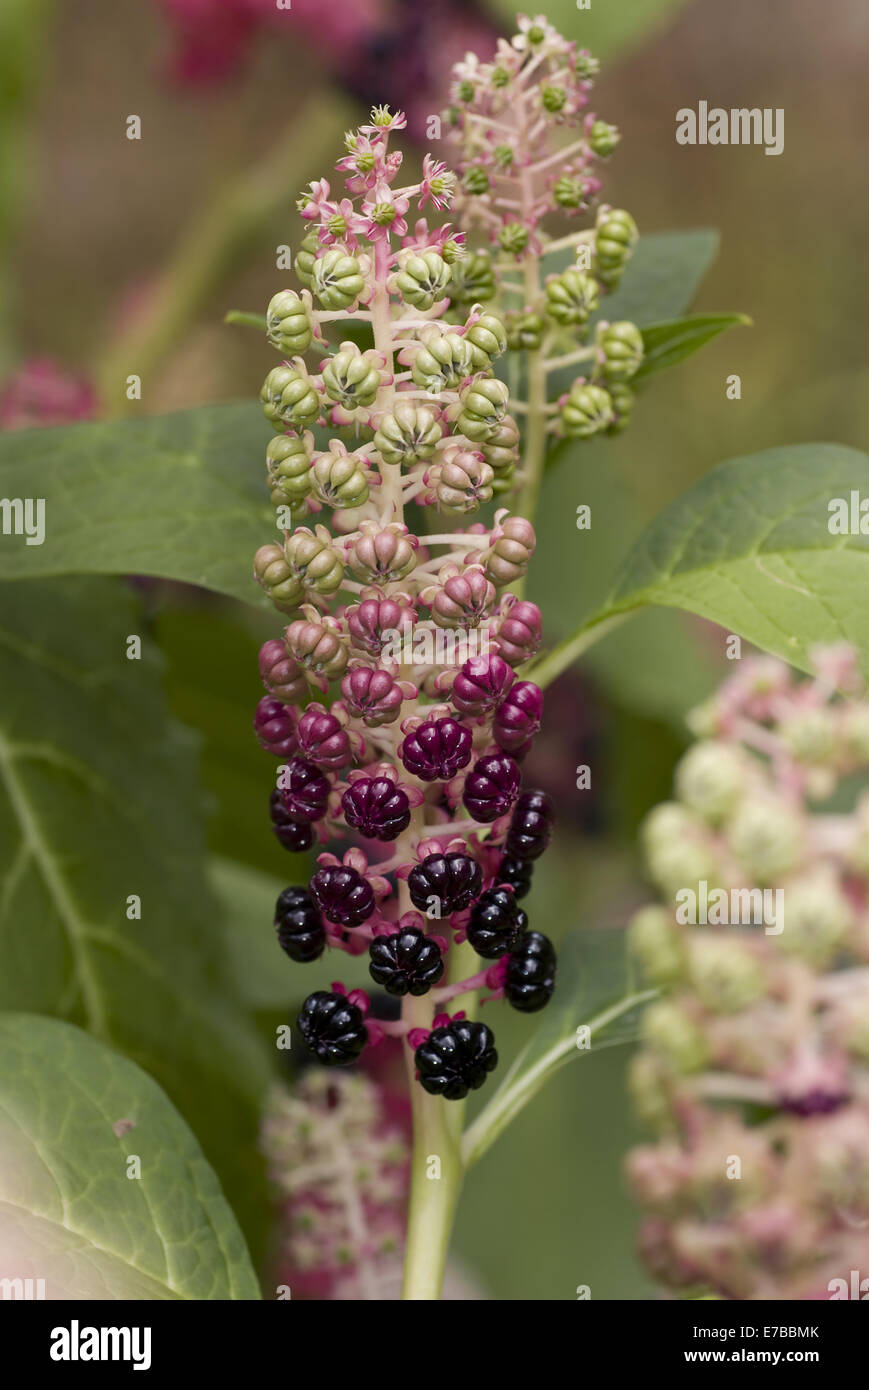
177	496
750	548
595	989
72	1112
671	342
99	802
265	978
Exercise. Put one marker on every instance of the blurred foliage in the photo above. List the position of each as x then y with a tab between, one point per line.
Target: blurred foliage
604	27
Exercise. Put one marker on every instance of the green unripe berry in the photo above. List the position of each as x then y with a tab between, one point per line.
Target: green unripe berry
524	331
442	360
500	77
816	919
476	180
503	156
623	404
288	327
513	238
280	581
473	278
587	411
670	1033
766	837
585	66
409	434
501	448
603	138
616	236
711	779
569	192
350	378
288	464
423	279
338	280
313	558
571	297
465	91
658	944
488	340
622	350
339	480
726	976
305	258
484	404
553	98
288	398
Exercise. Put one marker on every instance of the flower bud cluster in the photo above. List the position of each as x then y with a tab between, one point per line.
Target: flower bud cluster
755	1064
392	699
529	147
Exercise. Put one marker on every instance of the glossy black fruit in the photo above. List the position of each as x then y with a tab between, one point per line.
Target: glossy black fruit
517	872
530	826
406	962
294	835
496	922
454	879
299	925
456	1059
530	982
333	1028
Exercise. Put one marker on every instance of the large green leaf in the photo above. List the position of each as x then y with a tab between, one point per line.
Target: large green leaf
178	496
750	548
595	990
75	1210
99	801
667	344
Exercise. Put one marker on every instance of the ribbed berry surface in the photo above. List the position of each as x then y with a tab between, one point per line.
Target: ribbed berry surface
342	895
437	750
304	790
376	808
294	835
517	872
530	826
491	787
456	1059
495	923
332	1028
299	926
454	879
406	962
530	981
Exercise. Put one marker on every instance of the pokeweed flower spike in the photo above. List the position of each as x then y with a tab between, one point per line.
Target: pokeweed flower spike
392	702
527	146
755	1064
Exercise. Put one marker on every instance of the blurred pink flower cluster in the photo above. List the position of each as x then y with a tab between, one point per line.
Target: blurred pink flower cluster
39	393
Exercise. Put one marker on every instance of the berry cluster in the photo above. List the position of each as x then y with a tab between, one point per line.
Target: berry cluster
755	1068
528	147
418	650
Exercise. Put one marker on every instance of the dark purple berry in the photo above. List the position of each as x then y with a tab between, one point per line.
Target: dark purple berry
491	787
294	835
517	718
454	879
333	1028
530	981
376	807
516	872
530	826
456	1059
323	739
407	962
275	726
304	791
437	749
300	929
496	922
342	895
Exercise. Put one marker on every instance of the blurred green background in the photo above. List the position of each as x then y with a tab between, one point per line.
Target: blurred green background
89	223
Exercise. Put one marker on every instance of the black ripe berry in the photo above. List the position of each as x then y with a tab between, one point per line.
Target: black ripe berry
406	962
453	879
516	872
333	1028
299	926
496	922
530	981
530	826
456	1059
294	835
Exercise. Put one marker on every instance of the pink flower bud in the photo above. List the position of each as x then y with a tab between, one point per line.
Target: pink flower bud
518	630
374	695
372	622
462	600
